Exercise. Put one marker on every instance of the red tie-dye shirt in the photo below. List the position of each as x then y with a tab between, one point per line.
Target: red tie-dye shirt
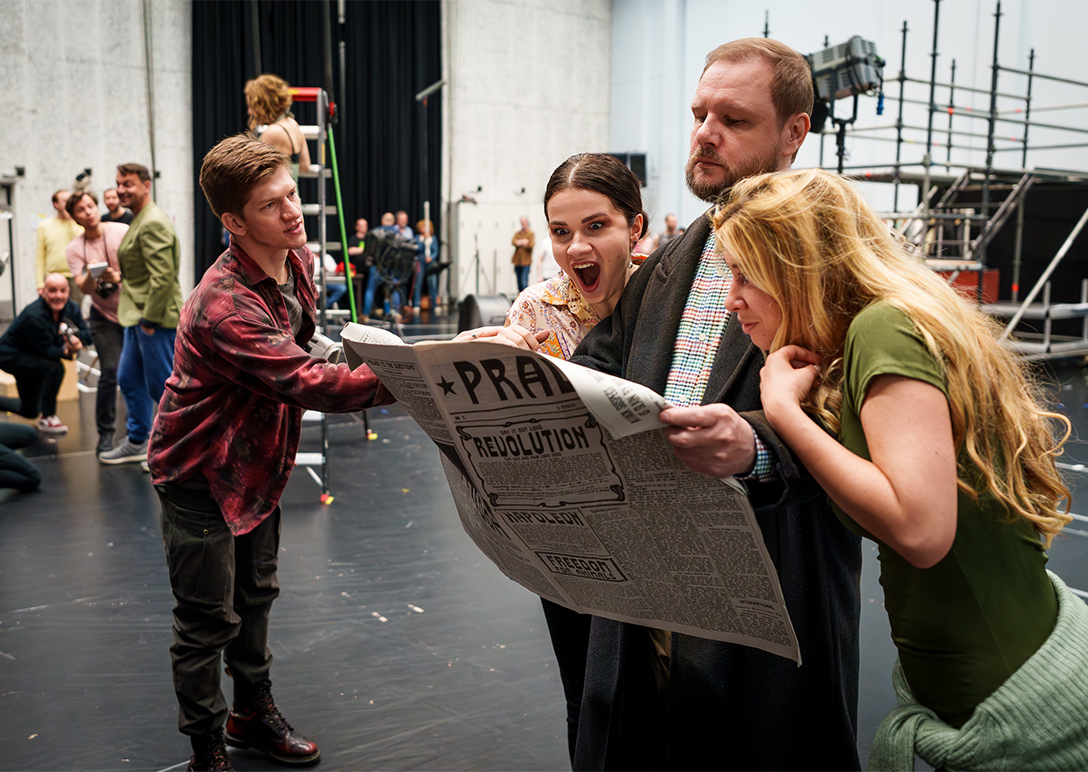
232	408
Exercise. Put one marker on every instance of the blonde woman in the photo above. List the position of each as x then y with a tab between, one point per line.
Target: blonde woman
268	103
930	438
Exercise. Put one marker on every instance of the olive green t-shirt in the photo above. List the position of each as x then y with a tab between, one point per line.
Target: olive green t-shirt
966	624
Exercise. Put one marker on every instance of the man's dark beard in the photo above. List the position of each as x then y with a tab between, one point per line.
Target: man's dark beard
711	192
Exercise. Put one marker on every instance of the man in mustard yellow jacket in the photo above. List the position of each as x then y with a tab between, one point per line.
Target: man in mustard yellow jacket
54	235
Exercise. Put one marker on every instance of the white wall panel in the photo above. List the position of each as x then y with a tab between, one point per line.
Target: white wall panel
74	77
529	85
674	36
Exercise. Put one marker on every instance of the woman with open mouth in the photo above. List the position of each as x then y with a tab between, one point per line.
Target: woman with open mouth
593	205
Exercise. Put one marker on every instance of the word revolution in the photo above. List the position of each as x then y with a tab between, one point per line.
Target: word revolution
533	443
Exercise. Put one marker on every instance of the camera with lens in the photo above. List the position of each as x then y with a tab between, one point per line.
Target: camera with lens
70	333
104	288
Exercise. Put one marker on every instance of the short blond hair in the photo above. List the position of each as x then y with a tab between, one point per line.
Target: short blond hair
791	85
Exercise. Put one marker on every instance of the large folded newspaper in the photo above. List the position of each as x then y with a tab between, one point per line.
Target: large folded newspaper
563	478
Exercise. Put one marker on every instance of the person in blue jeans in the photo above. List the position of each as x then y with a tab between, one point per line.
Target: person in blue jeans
372	282
150	305
426	260
523	242
390	235
335	292
373	279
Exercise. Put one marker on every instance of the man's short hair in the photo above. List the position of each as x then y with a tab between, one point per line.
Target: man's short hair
75	198
791	84
138	169
234	167
56	194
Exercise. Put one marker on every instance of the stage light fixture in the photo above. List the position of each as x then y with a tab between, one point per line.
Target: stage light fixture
848	69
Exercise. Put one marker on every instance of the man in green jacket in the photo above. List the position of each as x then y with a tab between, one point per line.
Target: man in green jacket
149	309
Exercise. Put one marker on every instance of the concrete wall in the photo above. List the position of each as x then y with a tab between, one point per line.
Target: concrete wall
74	76
528	86
528	83
664	42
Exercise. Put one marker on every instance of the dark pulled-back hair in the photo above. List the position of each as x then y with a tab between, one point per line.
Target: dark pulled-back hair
604	174
234	167
139	170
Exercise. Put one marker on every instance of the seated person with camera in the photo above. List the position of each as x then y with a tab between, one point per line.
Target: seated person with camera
47	330
391	256
92	258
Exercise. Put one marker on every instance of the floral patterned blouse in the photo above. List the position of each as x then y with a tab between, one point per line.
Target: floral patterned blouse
556	305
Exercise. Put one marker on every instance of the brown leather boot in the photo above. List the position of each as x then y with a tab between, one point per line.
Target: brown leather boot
256	724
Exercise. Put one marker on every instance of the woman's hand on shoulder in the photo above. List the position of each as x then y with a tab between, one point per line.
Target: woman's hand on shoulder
515	335
786	378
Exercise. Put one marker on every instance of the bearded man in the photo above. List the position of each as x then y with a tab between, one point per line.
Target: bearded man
658	701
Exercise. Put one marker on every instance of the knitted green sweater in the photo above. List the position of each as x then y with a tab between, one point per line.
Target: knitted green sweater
1037	719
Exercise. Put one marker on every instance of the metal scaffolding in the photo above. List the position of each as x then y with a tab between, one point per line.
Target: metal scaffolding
963	207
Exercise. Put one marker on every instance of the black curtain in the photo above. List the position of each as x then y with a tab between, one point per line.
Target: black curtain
392	52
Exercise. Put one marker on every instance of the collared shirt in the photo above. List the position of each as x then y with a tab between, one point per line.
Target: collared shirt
523	255
232	409
698	339
557	305
150	258
701	327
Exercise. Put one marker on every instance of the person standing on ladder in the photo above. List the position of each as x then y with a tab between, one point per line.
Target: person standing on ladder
268	103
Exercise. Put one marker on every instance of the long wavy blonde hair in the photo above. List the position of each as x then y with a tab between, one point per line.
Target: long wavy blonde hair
810	240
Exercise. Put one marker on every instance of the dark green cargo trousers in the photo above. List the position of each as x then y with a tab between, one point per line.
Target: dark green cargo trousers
223	589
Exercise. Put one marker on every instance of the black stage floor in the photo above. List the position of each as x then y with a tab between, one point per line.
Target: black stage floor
398	645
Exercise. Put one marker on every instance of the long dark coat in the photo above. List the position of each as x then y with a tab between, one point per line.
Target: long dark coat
728	706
